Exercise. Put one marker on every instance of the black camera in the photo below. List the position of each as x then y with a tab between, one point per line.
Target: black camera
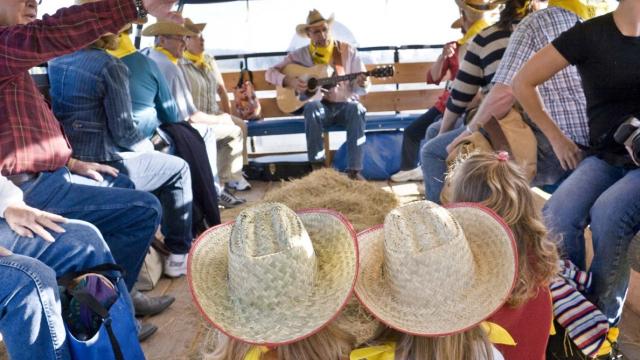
628	134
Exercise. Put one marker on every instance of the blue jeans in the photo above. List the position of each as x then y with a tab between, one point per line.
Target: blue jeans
607	198
126	218
433	159
30	318
351	115
169	178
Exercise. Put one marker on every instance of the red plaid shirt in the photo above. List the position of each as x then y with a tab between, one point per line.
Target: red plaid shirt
31	139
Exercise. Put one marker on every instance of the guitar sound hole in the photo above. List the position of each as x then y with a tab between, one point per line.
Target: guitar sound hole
312	84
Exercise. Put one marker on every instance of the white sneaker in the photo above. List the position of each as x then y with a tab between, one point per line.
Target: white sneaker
240	185
407	175
175	265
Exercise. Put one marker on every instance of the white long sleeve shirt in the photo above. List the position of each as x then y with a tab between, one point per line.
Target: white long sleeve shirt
9	194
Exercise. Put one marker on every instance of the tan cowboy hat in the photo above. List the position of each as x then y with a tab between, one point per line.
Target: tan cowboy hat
479	5
434	271
196	28
274	276
313	19
163	27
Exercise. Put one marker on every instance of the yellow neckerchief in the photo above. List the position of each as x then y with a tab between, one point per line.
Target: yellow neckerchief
197	60
386	351
497	334
322	54
172	58
522	11
474	30
612	337
585	9
125	46
256	352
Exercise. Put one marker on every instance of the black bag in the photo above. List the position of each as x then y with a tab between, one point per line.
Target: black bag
279	167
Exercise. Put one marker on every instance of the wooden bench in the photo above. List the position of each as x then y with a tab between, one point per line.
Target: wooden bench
387	109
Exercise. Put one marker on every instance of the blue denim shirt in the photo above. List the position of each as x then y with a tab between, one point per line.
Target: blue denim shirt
90	97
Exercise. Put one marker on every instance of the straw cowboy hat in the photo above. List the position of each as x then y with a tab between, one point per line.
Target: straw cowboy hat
313	19
196	28
274	276
475	8
434	271
163	27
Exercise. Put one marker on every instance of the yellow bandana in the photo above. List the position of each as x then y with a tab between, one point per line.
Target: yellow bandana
386	351
321	54
585	9
497	334
474	30
124	48
172	58
256	352
198	60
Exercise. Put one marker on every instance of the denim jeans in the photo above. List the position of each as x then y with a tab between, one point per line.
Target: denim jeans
413	135
351	115
30	314
169	178
126	218
607	198
433	159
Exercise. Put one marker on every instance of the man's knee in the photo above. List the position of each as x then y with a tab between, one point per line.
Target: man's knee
18	270
84	240
313	110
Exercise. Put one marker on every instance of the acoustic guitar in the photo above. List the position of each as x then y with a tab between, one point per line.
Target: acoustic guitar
317	76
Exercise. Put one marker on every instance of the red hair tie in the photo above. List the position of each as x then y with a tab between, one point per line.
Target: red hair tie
503	156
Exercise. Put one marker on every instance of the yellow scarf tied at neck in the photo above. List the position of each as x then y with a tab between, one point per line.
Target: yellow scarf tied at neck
125	46
256	352
387	351
198	60
585	9
474	30
322	54
170	56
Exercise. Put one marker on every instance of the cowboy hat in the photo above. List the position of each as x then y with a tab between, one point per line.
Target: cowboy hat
479	6
434	271
314	18
196	28
163	27
274	276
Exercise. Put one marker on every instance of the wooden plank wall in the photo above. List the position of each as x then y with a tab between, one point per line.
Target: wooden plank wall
389	100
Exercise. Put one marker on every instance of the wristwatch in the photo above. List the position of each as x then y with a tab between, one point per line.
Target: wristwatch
142	12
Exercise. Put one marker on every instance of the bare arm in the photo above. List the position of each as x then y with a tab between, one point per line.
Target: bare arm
540	68
225	103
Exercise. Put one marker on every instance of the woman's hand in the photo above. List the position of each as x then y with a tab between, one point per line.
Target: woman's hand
27	221
91	170
568	153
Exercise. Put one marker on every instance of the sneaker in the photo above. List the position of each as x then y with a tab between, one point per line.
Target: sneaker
175	265
228	200
240	185
407	175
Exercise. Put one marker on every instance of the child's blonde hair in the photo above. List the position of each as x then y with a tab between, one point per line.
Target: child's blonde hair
471	344
489	179
331	343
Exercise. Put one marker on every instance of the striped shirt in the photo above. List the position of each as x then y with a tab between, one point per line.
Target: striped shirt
478	67
562	94
203	84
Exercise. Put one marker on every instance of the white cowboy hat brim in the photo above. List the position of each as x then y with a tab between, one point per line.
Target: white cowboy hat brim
495	256
335	247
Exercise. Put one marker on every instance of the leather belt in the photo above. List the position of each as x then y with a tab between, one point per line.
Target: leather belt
20	179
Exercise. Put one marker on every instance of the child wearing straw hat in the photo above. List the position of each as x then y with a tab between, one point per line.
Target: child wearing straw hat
271	281
499	184
433	275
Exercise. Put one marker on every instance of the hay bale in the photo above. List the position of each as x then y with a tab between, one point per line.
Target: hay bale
363	203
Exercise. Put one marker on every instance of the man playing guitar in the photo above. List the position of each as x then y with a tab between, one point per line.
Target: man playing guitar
338	104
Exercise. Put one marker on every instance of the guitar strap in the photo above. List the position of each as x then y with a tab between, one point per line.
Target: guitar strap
337	59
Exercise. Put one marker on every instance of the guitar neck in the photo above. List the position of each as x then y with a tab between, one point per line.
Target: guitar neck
336	79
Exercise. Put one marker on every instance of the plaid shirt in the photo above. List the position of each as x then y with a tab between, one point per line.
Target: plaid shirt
31	139
562	94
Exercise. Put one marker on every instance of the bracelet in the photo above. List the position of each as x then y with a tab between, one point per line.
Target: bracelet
142	12
70	163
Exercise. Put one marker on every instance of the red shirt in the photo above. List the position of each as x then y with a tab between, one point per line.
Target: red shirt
31	139
452	64
529	325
